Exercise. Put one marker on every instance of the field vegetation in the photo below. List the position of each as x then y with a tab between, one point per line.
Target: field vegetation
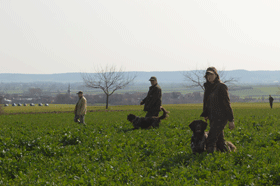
50	149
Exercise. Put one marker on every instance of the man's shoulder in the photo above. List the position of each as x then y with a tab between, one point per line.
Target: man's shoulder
158	87
83	98
222	85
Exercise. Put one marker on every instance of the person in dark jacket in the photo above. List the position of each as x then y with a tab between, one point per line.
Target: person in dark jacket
216	108
153	99
271	101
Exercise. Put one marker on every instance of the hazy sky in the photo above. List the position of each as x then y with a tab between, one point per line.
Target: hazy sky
57	36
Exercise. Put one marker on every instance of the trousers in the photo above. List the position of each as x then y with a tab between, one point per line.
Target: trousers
79	118
152	113
216	136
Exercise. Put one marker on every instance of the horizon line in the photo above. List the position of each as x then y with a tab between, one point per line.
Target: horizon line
137	71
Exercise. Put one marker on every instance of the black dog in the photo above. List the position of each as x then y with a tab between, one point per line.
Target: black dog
198	141
148	122
199	137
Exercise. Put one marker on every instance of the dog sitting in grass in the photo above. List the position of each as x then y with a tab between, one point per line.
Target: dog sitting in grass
146	122
199	137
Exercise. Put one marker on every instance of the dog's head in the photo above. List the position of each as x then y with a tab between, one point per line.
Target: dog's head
131	117
198	126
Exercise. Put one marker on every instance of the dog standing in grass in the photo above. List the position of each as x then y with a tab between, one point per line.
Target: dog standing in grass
146	122
80	109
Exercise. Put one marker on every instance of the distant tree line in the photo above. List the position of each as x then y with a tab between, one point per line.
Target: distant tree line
135	98
132	98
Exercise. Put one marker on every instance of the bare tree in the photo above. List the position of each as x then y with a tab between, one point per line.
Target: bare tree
108	79
195	78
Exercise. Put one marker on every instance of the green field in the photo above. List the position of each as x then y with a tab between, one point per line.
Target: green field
258	91
50	149
61	108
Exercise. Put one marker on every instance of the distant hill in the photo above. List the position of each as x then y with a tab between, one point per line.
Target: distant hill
243	76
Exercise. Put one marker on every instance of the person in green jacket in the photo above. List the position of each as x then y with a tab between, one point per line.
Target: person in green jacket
80	109
153	99
216	108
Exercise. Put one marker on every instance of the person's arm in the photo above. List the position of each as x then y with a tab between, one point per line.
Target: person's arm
204	112
75	111
83	106
226	102
143	101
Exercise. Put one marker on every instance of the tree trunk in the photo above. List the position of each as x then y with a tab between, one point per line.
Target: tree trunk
107	101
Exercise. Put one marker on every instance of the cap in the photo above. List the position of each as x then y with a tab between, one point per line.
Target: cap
153	78
212	70
80	92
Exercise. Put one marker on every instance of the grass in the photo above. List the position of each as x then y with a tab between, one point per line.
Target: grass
50	149
70	107
258	91
62	108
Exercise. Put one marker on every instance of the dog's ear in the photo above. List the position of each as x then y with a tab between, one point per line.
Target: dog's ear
131	117
204	125
192	125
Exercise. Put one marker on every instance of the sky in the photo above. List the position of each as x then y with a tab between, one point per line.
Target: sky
45	37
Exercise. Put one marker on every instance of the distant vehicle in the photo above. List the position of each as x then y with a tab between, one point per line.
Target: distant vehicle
46	104
32	104
24	104
19	104
40	104
14	105
6	105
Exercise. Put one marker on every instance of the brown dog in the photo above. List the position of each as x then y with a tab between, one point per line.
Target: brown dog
146	122
199	137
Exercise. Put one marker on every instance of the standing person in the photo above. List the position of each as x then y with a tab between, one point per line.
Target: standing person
216	108
153	100
81	109
270	101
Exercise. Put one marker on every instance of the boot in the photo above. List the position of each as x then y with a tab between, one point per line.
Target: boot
210	150
222	147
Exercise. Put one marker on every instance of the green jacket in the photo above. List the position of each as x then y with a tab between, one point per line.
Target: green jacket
81	106
153	100
216	102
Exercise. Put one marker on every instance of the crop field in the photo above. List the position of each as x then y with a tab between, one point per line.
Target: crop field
50	149
258	91
60	108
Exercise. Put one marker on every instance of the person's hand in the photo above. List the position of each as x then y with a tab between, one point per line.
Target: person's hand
206	118
231	125
141	103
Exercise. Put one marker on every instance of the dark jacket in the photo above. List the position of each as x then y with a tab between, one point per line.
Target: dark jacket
153	100
216	102
271	99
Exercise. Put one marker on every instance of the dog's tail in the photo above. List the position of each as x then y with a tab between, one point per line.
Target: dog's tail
165	114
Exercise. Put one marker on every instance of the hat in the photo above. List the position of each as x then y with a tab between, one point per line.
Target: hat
212	70
153	78
80	92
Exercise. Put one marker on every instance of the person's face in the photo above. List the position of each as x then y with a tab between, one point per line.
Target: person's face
80	95
211	77
153	82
